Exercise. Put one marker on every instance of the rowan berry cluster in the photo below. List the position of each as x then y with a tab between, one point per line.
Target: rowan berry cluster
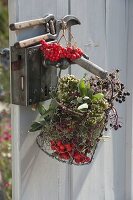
68	151
55	52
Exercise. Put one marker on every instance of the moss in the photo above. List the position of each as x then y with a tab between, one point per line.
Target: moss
4	30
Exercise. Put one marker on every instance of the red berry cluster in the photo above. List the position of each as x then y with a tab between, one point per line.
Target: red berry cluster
55	52
67	151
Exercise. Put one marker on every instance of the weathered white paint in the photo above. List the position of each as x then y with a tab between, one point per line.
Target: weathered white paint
35	176
106	36
105	40
129	110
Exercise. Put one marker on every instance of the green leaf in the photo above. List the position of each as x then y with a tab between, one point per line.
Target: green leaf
41	109
42	122
82	88
90	93
35	126
79	100
88	85
48	112
83	106
98	96
53	104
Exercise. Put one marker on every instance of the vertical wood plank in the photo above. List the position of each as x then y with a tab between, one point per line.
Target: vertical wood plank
103	35
35	175
90	35
88	181
129	107
116	37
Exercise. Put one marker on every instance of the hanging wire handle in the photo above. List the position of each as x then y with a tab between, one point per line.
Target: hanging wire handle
64	28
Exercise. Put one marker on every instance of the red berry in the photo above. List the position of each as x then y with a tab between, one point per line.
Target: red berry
69	49
77	158
53	147
68	147
57	149
87	159
65	156
79	51
59	142
52	142
77	161
73	57
77	55
42	42
76	155
62	147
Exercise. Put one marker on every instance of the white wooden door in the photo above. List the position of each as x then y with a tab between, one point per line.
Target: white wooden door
103	35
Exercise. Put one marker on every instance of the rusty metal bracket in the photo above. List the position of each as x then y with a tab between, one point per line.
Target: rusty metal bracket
30	80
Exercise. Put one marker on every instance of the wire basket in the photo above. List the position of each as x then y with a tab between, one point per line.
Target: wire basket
71	137
79	111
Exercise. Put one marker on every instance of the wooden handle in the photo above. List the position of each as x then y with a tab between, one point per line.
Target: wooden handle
30	23
25	24
34	40
91	67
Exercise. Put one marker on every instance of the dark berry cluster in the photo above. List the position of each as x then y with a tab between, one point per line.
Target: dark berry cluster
118	88
113	90
115	125
55	52
121	97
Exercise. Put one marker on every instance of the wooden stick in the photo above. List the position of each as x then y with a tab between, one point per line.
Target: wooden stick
25	24
34	40
30	23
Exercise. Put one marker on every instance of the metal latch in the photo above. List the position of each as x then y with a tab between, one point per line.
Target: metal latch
30	80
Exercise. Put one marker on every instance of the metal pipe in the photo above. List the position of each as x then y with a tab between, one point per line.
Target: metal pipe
91	67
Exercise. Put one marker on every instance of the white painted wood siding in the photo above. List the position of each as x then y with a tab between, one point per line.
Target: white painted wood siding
106	36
